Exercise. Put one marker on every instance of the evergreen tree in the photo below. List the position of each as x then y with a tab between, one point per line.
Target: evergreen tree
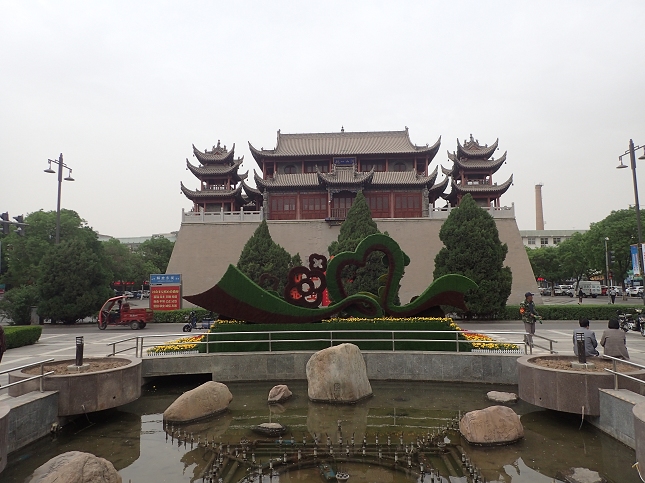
262	255
74	280
355	228
472	248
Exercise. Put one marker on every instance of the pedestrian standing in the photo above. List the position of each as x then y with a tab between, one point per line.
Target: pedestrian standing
581	294
3	342
612	294
529	316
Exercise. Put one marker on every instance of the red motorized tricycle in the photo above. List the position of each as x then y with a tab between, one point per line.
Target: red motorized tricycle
116	311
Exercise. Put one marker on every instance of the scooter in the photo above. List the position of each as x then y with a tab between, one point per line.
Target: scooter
627	321
192	322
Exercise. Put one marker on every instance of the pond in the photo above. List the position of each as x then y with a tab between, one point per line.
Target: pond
405	414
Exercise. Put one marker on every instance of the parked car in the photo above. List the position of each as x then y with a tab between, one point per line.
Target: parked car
145	294
635	291
590	288
128	294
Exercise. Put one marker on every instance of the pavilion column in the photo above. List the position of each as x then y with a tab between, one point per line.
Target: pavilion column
298	203
328	204
391	204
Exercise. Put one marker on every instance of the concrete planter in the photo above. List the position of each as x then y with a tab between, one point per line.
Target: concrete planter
87	392
567	390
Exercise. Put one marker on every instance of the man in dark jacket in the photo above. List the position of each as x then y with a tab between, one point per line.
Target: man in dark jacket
589	336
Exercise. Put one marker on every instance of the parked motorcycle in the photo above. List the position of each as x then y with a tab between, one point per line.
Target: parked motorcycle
628	322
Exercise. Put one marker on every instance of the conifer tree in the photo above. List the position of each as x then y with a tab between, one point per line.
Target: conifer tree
262	255
355	228
472	248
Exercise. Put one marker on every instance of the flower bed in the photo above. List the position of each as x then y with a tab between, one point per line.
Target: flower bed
185	345
487	343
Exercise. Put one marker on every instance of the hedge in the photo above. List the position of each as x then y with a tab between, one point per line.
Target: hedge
570	312
178	316
320	331
19	336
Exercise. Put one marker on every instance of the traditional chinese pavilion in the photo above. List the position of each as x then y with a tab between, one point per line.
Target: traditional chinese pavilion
220	184
317	175
472	172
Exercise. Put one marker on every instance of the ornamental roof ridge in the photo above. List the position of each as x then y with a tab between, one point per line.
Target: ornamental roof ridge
472	149
446	171
344	143
217	155
345	176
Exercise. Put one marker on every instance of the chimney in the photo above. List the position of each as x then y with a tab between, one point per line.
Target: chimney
539	216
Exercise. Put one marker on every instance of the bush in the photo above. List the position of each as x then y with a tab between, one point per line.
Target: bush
21	336
311	339
17	304
569	312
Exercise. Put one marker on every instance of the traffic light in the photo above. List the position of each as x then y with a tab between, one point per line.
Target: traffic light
21	226
4	219
612	258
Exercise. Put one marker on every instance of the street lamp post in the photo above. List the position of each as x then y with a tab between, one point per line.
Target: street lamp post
61	165
632	158
606	263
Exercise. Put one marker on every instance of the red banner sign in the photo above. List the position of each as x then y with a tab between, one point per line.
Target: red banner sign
165	297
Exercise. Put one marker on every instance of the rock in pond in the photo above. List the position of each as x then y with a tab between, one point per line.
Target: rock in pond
209	399
76	467
338	375
502	397
279	393
495	425
270	429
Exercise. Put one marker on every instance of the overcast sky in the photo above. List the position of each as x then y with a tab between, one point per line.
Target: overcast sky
123	89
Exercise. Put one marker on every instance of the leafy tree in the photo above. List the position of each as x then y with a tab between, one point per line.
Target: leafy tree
23	254
546	264
262	255
574	260
472	248
155	254
355	228
17	303
74	280
621	229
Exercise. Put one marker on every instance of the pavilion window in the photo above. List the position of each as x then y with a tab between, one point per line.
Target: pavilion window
531	240
379	204
290	169
407	205
313	206
400	167
376	165
311	167
557	240
544	241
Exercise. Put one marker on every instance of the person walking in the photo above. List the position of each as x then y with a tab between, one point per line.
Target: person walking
612	294
613	341
529	316
589	336
581	294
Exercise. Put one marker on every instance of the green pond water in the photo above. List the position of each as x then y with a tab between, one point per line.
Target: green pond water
135	440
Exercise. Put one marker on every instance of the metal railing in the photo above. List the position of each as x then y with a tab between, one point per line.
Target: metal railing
333	337
615	372
27	366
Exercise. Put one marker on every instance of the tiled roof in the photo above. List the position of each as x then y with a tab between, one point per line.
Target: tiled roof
446	171
345	176
439	188
215	169
211	194
344	144
407	178
216	155
493	164
483	188
472	149
287	180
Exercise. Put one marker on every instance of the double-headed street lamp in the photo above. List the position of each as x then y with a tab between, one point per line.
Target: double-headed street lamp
632	158
61	165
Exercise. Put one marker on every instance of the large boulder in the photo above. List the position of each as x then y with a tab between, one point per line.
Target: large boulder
76	467
278	394
502	397
209	399
495	425
338	375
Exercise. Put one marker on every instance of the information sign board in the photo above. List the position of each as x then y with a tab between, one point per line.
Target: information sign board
165	297
165	278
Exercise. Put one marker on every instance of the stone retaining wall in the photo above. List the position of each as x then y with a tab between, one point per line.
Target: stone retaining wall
381	365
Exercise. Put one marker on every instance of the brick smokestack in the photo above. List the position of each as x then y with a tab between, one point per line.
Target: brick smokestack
539	216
